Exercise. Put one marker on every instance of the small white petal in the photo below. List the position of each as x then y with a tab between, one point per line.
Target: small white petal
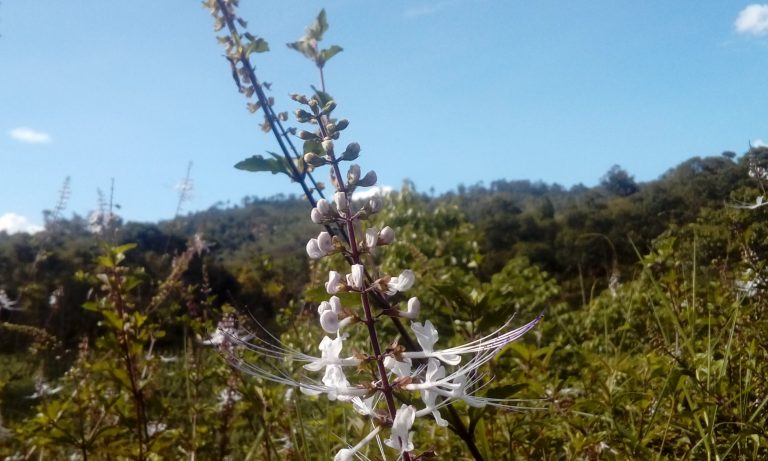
402	282
386	236
325	242
332	286
356	278
400	439
371	238
324	208
335	303
316	216
341	201
313	249
329	320
414	307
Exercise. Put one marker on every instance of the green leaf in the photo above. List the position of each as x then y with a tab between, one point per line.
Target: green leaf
257	46
323	97
124	248
313	146
328	53
319	27
505	392
274	165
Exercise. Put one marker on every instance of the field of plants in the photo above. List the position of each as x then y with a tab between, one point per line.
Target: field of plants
515	321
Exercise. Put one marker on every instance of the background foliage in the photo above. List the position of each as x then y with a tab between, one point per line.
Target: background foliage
653	344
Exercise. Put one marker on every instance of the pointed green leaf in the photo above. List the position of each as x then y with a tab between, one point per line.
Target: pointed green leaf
257	46
323	97
274	165
328	53
318	28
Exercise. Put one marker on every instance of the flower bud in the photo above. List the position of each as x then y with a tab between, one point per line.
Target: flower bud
386	236
400	283
303	116
333	284
324	207
300	98
335	304
341	201
329	320
316	216
325	242
356	278
352	152
353	175
306	135
314	159
313	249
328	108
371	238
368	180
374	204
328	146
414	307
341	124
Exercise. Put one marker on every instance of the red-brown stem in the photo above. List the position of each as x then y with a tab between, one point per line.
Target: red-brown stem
370	321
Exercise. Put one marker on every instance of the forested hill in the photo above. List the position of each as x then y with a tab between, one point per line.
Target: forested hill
581	236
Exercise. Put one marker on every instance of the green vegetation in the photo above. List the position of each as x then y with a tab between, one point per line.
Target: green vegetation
652	345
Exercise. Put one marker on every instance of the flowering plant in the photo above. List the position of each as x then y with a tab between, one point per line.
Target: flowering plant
396	376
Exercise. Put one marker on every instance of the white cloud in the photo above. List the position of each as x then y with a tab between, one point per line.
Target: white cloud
28	135
758	143
370	192
753	20
13	223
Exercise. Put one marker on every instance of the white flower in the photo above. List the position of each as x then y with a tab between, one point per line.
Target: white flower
400	439
6	302
414	307
435	372
313	249
324	208
371	238
427	337
491	343
316	216
356	278
353	174
330	312
43	390
325	242
386	236
400	283
341	201
334	282
320	246
347	454
400	369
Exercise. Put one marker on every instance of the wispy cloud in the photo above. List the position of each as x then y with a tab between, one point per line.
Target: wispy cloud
370	192
28	135
753	20
427	9
758	143
13	223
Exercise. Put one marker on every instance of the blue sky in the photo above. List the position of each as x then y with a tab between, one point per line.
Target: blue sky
441	92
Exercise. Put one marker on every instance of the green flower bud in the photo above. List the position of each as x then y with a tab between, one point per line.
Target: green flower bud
352	152
328	108
314	159
368	180
307	136
341	124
